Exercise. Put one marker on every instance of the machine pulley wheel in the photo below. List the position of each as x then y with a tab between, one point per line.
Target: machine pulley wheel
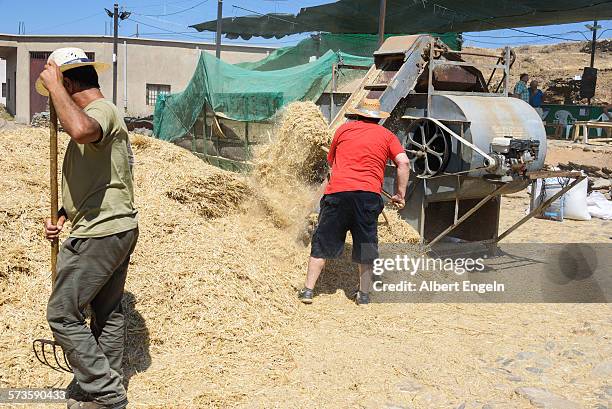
429	148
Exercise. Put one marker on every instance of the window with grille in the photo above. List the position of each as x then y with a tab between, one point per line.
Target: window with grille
43	55
154	90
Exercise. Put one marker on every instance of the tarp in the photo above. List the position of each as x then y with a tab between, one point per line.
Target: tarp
242	94
355	44
414	16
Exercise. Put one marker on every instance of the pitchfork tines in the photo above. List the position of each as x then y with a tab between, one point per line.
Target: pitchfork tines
59	362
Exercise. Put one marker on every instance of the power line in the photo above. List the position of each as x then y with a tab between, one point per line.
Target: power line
165	29
176	12
66	23
147	6
500	44
491	23
161	20
275	17
516	36
166	33
601	34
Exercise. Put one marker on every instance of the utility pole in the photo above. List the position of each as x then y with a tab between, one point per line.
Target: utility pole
219	24
115	40
594	30
116	16
381	22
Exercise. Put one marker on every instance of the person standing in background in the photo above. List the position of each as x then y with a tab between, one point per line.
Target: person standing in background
520	89
536	97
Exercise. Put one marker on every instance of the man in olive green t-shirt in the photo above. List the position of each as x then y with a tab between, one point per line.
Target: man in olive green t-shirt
98	199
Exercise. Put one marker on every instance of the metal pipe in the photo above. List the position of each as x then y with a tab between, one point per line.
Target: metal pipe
125	82
542	206
430	68
381	22
466	53
331	93
507	71
219	28
115	40
593	43
467	214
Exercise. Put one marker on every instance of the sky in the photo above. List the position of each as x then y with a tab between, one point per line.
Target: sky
169	19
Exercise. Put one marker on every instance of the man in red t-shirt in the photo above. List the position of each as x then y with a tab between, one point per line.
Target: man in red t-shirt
358	155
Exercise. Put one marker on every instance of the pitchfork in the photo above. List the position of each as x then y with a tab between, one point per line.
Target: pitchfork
41	346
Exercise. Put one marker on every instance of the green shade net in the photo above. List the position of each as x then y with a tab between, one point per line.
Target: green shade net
355	44
242	94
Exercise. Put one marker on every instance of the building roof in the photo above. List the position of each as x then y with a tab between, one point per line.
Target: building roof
54	38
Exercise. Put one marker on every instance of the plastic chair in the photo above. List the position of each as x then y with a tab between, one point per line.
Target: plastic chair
565	118
602	118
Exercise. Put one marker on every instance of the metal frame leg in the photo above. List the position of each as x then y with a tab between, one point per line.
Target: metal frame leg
467	214
542	206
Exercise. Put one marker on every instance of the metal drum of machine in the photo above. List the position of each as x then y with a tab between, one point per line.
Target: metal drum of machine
462	152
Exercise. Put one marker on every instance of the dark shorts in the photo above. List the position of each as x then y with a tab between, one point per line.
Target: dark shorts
356	212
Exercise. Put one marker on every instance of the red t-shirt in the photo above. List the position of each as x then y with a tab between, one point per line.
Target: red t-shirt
358	155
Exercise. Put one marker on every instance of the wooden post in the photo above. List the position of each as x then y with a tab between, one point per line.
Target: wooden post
53	180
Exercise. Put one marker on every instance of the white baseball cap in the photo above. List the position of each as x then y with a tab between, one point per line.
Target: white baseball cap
67	58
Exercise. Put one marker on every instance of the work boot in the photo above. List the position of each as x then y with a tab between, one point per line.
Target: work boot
362	298
305	295
97	405
74	393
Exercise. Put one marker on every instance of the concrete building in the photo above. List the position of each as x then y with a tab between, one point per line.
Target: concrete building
2	82
146	68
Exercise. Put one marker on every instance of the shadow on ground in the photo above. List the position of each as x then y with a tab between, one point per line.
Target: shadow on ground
136	357
339	274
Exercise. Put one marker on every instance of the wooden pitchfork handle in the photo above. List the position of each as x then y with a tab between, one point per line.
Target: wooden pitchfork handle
54	187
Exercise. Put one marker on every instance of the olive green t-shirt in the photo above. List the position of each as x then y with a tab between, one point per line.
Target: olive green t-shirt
97	182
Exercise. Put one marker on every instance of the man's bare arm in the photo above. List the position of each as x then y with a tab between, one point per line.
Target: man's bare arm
403	171
80	127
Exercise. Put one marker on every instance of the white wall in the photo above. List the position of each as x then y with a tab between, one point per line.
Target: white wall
148	61
2	80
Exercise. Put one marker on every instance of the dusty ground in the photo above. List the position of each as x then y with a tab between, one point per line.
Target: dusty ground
214	321
565	151
215	325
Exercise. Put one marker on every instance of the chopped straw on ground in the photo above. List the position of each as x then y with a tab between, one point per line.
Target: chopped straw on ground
212	316
214	273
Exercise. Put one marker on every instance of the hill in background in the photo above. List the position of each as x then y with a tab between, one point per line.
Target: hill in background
554	66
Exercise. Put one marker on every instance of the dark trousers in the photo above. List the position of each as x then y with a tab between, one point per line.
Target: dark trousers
354	211
92	271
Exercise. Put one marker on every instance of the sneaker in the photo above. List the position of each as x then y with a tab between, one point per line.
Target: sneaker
305	295
361	298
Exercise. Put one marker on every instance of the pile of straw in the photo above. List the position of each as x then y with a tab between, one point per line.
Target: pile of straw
211	285
295	155
203	301
289	170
